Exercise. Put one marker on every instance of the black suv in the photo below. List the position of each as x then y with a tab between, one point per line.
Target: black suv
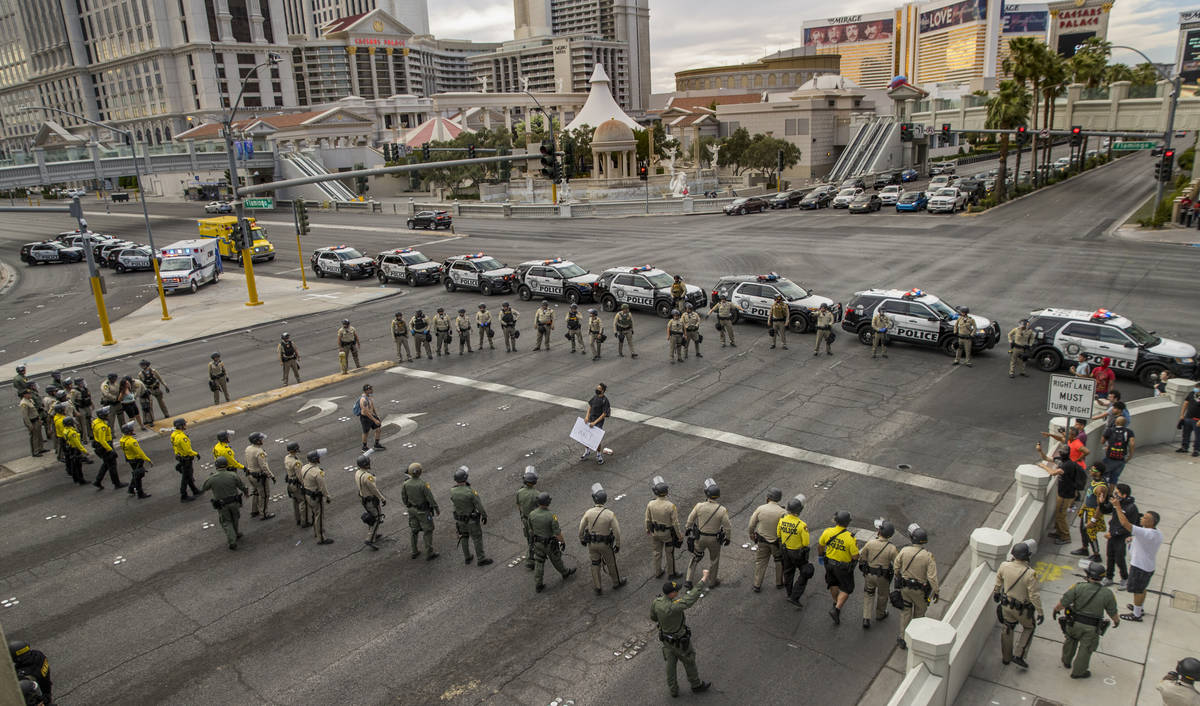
916	317
430	220
973	188
852	183
819	197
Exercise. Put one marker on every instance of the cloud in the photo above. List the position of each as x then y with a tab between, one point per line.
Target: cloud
490	21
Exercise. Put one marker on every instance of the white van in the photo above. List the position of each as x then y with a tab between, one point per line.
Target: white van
188	264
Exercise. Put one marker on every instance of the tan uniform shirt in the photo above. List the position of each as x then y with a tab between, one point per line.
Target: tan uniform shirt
544	315
509	313
1018	581
710	517
964	326
441	322
216	371
878	553
594	326
623	322
483	318
29	413
880	321
283	353
256	461
691	320
601	522
1021	337
661	511
347	334
765	521
922	567
675	327
291	466
313	478
365	482
724	310
110	390
462	323
399	328
1176	694
779	312
824	320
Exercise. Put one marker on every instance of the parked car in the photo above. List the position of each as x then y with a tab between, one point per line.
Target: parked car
817	198
890	195
845	196
430	220
853	183
948	200
49	251
937	168
866	202
912	201
786	199
218	207
973	188
745	204
909	175
885	179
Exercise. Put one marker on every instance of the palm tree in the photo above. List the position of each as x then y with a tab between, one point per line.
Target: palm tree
1055	75
1005	111
1090	63
1144	74
1025	63
1118	72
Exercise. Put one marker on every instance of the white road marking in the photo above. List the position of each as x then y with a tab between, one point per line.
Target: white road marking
861	468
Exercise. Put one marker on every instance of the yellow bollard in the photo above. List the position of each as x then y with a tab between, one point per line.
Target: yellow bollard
248	265
102	312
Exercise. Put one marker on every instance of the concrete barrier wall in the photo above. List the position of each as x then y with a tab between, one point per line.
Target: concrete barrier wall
942	652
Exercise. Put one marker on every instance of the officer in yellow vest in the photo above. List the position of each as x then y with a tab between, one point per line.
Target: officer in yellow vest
838	552
136	458
185	457
793	540
223	449
102	437
73	450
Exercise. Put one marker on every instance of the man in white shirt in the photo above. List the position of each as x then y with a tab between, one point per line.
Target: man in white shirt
1143	549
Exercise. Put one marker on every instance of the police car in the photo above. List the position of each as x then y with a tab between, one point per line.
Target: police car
755	294
1062	334
48	252
919	318
343	261
478	271
407	265
133	259
645	287
557	278
74	238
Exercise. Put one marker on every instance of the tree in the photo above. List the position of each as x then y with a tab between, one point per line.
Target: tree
661	141
1118	72
580	140
707	141
537	129
1005	111
1089	65
733	151
1026	64
1145	74
763	155
1055	75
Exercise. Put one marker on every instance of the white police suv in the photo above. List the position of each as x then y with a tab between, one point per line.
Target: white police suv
341	261
1062	334
134	259
645	287
558	279
917	317
406	265
478	271
755	294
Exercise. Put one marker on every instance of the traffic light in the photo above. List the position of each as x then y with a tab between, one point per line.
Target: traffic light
301	216
946	129
1166	166
425	152
568	160
1022	135
906	134
471	151
643	172
1076	135
548	162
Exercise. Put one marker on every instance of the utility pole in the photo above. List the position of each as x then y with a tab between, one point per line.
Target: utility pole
94	274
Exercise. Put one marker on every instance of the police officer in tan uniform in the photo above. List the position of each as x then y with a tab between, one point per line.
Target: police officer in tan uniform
623	326
483	320
725	310
441	332
764	532
32	419
1018	599
824	330
575	329
400	336
662	526
347	342
708	529
881	323
420	332
289	357
372	500
155	387
1178	687
875	561
777	322
1020	340
543	318
295	489
218	381
675	338
917	579
261	476
691	330
312	477
678	292
600	533
964	333
110	394
595	332
463	325
508	327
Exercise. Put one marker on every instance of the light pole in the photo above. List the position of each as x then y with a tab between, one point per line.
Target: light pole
1176	88
550	127
137	170
246	244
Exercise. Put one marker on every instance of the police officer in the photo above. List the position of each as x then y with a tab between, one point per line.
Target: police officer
575	329
110	395
420	331
1085	604
527	497
372	500
764	532
777	322
441	331
57	419
102	438
81	397
73	450
347	340
824	330
418	498
880	324
185	457
675	333
708	529
136	458
546	537
964	333
463	325
83	421
218	380
508	327
20	382
295	489
595	332
483	319
623	326
1018	599
1020	340
543	319
678	293
875	563
289	357
838	552
1178	687
916	578
316	494
155	387
260	474
222	448
793	540
662	526
227	493
667	612
31	416
601	534
32	665
400	336
691	330
469	516
725	310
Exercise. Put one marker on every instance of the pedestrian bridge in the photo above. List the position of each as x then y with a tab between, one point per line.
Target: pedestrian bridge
94	162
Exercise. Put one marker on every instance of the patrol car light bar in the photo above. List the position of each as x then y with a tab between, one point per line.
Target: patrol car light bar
643	268
555	261
915	293
1102	314
472	256
770	277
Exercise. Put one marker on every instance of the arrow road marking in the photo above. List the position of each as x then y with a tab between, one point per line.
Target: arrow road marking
404	422
325	404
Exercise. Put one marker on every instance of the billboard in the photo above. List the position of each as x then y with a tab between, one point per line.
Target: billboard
1017	21
1189	69
848	30
952	15
1068	42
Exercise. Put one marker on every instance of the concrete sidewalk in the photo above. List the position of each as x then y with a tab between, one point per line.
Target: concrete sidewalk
1134	657
214	309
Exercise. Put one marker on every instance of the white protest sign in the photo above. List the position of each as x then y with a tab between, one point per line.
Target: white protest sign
586	435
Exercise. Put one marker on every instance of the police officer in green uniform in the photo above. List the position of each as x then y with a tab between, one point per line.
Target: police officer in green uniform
418	498
526	503
623	325
469	516
546	537
227	493
1084	606
667	611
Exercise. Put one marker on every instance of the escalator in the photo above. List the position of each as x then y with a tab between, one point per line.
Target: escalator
839	167
333	190
870	147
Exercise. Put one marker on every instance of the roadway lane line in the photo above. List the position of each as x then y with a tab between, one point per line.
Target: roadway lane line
797	454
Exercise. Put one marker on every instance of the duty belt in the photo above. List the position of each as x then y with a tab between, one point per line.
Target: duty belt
965	335
692	328
1020	345
541	540
227	501
293	481
468	517
313	493
1013	603
1092	620
655	527
878	570
421	508
256	476
675	639
914	584
598	538
709	534
824	328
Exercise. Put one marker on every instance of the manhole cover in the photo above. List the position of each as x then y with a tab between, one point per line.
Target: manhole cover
1039	701
904	467
1186	601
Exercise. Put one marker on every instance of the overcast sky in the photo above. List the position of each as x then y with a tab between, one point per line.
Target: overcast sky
687	34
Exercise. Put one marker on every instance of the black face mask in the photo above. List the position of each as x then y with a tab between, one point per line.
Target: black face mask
600	392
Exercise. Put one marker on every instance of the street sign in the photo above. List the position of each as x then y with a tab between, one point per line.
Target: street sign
259	202
1120	146
1070	396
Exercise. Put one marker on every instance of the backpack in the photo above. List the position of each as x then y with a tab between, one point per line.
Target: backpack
357	407
1118	443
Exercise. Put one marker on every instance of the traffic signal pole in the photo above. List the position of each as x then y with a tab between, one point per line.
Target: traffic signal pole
301	227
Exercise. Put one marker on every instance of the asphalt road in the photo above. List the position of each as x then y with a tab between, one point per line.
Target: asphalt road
181	619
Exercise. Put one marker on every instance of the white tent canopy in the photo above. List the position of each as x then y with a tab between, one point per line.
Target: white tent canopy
600	105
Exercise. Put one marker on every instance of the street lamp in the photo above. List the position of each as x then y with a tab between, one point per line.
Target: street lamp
1176	88
550	124
137	170
239	210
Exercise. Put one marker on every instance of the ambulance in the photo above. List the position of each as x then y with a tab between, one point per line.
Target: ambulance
188	264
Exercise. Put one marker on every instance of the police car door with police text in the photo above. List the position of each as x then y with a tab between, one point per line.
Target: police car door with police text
464	274
914	321
755	299
392	266
43	253
1077	337
544	280
633	290
329	263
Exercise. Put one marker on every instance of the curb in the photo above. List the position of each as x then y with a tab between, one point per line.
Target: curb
8	278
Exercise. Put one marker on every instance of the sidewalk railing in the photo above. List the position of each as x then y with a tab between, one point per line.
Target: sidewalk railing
577	209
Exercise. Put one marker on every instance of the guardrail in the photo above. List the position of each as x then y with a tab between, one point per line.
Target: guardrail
35	174
578	209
